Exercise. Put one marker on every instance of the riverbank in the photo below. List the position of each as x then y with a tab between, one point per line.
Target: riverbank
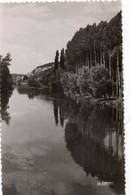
113	101
78	98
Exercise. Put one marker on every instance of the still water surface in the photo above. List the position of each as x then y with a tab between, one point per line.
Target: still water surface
60	147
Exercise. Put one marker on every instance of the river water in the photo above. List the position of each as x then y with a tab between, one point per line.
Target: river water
56	146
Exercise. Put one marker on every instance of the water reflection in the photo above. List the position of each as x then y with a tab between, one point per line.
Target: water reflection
55	104
94	136
58	112
31	93
69	148
5	115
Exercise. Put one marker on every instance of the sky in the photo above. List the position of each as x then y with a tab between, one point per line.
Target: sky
32	32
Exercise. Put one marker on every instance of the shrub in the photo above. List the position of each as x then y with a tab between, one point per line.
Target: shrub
33	83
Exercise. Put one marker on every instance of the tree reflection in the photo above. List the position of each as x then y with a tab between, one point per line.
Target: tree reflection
31	93
5	115
60	111
94	136
56	111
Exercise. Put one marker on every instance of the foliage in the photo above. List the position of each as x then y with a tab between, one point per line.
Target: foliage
94	81
6	79
56	64
69	82
98	44
47	76
93	44
100	81
25	77
84	81
33	83
62	59
91	65
113	32
6	83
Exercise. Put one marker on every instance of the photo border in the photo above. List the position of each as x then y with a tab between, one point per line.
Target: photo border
126	16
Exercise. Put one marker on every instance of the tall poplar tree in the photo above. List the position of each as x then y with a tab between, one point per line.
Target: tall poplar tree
56	64
62	59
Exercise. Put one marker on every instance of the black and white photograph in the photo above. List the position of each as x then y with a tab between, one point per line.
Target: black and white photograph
62	111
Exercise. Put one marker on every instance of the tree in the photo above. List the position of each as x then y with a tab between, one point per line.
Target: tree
25	77
6	78
56	64
83	81
62	59
6	83
100	81
69	83
33	83
98	44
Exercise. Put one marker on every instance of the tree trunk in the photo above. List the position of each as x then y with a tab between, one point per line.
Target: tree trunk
117	75
109	64
88	62
84	58
104	59
90	59
101	56
94	54
79	65
111	74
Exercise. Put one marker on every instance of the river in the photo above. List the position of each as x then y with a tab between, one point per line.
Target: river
56	146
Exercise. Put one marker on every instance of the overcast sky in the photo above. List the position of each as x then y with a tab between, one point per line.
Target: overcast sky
33	32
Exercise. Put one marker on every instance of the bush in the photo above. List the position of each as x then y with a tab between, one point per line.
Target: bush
25	77
94	81
100	81
33	83
69	82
